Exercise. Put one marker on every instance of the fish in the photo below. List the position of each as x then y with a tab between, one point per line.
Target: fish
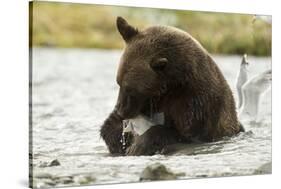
141	123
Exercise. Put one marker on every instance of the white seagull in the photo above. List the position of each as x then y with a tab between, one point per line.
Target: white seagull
242	79
251	91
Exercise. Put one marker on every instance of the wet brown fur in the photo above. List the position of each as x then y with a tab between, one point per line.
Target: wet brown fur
166	68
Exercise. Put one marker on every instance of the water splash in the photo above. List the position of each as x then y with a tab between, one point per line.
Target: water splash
123	138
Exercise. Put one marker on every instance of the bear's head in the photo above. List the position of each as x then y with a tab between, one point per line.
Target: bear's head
151	63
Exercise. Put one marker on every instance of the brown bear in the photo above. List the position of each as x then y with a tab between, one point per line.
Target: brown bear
167	69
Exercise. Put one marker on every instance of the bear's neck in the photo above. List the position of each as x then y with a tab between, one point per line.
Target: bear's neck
173	99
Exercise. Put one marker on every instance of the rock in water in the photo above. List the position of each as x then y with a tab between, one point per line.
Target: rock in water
264	169
65	180
54	163
158	171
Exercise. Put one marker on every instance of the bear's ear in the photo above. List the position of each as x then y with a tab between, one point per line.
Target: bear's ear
159	64
126	31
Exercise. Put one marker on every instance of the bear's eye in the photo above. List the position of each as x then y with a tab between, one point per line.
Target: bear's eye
159	64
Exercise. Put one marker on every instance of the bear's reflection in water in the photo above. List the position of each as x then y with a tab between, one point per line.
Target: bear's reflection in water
191	149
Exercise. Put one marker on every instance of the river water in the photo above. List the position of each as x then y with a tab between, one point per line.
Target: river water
74	90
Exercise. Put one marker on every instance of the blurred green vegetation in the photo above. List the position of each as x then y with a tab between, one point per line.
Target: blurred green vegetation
93	26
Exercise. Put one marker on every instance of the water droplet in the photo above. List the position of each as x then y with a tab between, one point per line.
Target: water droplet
123	139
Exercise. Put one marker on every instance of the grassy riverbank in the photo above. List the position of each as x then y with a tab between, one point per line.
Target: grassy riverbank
93	26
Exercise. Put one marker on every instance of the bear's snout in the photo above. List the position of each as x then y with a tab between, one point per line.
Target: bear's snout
129	106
